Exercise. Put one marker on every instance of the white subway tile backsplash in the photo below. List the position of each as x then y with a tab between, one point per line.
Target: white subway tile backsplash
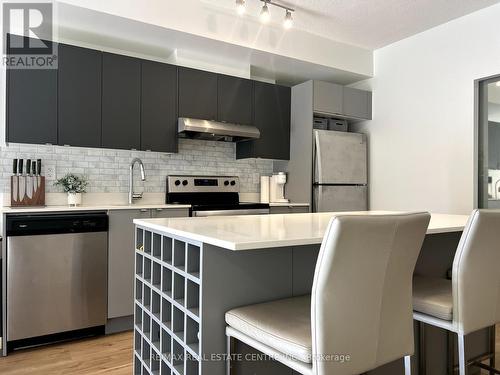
107	170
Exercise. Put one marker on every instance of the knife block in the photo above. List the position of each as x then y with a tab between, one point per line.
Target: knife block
37	191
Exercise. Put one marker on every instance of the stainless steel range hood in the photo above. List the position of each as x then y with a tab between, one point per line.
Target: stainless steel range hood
216	131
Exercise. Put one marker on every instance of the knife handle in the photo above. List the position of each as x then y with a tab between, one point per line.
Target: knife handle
39	167
28	166
33	167
21	161
14	166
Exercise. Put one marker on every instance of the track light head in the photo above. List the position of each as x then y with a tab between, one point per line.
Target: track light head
288	22
265	15
240	7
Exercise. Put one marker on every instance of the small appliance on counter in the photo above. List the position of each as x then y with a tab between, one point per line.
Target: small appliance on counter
277	188
264	189
27	186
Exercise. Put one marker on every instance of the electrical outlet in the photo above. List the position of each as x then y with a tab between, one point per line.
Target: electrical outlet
50	173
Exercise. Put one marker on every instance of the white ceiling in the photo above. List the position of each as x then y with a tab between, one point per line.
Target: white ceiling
89	28
367	23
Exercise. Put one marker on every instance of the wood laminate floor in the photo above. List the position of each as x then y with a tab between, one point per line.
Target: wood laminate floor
104	355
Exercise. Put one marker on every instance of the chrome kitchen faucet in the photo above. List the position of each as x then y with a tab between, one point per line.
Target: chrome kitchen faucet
131	195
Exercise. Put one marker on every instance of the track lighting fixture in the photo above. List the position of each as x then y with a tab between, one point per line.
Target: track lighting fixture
265	14
288	22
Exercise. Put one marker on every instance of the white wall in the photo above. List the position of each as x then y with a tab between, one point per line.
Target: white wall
422	135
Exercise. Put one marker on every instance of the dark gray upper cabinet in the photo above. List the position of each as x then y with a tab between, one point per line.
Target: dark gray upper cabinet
99	99
79	99
357	103
272	117
235	100
159	107
197	94
121	102
32	105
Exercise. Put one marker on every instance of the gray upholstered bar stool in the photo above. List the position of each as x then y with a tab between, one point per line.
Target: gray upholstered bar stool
470	301
361	302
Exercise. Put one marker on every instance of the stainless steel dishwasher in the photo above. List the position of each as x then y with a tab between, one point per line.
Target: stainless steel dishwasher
56	273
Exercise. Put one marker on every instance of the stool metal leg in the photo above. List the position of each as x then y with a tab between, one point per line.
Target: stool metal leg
408	365
492	348
451	353
461	355
421	349
228	359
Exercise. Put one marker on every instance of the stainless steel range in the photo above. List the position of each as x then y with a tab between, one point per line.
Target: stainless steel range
211	196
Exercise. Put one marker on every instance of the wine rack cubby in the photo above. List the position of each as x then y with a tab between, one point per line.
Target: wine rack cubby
167	330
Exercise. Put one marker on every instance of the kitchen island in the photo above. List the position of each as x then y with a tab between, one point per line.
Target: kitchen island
190	271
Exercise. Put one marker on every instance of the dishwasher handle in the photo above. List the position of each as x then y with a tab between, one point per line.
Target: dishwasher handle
29	225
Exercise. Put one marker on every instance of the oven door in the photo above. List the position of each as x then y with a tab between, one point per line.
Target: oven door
250	211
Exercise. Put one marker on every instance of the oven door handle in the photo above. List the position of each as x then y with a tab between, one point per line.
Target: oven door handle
255	211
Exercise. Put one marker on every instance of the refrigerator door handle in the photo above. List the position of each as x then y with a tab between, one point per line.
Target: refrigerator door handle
317	160
318	192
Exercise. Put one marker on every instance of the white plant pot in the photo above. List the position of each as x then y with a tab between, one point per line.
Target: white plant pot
74	199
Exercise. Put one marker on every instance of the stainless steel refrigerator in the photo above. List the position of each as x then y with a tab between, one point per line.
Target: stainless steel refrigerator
339	172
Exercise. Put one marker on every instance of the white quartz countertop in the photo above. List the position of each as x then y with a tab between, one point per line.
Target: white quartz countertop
101	207
266	231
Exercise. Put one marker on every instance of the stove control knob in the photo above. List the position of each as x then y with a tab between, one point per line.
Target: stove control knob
226	183
185	182
233	183
177	182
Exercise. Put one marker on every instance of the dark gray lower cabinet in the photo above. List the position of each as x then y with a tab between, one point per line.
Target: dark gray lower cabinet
79	99
121	102
121	256
121	261
272	117
158	107
32	106
288	209
169	212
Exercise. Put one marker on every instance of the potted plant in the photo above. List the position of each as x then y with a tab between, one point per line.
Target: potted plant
73	185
